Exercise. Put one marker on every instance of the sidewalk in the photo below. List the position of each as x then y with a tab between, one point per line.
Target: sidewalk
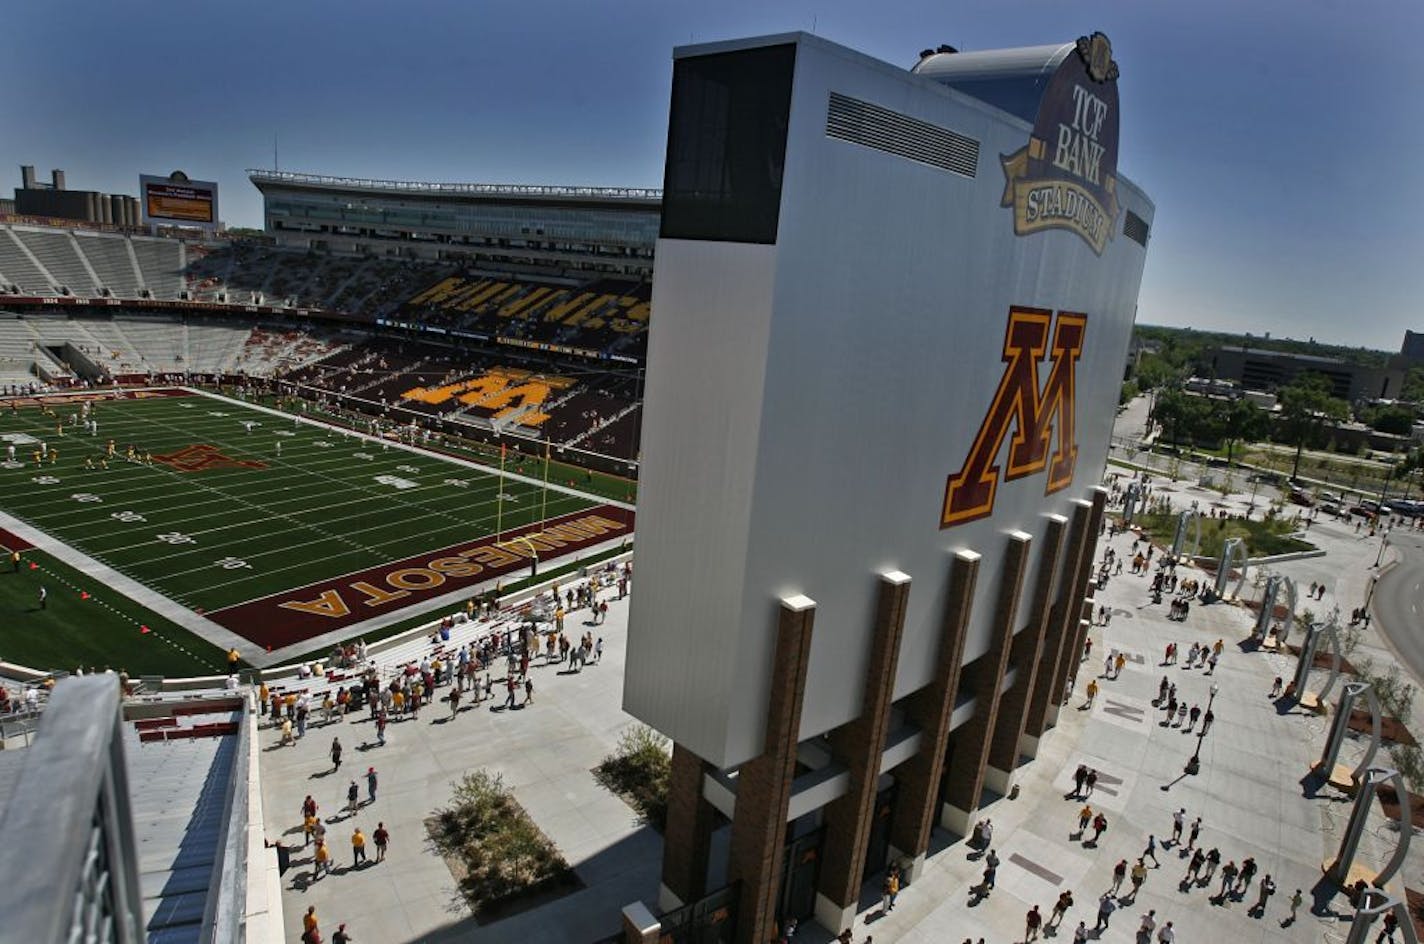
545	753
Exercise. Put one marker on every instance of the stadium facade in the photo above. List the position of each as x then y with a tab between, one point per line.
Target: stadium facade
515	228
897	304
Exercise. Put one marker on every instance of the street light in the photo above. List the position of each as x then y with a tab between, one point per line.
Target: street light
1384	543
1194	764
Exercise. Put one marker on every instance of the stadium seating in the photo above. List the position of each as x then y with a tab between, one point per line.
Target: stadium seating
57	253
113	262
606	315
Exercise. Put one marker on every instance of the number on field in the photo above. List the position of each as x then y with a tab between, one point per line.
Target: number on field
86	497
45	480
185	406
11	464
395	481
130	517
324	444
176	537
284	432
505	496
457	483
216	413
410	469
362	455
233	563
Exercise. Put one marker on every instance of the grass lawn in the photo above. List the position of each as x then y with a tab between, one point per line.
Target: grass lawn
1263	538
103	630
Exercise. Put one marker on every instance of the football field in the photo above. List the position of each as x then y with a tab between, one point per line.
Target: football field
275	529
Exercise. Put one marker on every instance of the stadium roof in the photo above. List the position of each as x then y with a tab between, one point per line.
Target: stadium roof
414	188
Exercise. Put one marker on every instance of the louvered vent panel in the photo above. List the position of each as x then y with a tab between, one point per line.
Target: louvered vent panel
1134	228
850	119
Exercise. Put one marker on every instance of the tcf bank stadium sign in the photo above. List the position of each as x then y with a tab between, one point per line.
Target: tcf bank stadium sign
1066	176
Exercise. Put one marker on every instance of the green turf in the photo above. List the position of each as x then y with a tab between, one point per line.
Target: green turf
102	631
218	537
601	484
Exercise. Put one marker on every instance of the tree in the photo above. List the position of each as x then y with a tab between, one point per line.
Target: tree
1240	421
1306	404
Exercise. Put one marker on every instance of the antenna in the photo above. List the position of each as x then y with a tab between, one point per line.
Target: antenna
814	18
275	165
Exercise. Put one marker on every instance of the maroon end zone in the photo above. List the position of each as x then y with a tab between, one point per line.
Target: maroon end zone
292	616
13	542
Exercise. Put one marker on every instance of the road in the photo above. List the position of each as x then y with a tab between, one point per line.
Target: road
1398	600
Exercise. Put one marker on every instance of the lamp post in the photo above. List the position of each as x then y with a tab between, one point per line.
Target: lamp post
1194	764
1384	543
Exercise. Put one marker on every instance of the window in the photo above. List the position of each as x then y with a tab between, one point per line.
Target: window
727	145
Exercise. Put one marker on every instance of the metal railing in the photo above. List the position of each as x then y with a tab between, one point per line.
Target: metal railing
415	186
70	872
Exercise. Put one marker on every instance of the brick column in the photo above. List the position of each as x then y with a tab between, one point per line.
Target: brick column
1060	627
1025	655
764	782
687	837
984	677
1080	604
929	709
858	745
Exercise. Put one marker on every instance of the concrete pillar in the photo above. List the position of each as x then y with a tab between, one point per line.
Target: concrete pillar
687	837
1059	631
929	709
984	677
639	925
858	745
764	782
1025	657
1081	605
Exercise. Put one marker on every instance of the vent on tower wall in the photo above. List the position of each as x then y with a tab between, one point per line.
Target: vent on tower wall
1134	228
858	122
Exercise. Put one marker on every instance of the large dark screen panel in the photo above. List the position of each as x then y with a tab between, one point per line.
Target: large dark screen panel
727	145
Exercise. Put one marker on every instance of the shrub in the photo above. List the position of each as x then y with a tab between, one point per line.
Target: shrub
502	853
1410	764
638	770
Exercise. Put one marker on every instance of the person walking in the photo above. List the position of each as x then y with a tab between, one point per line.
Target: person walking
1119	873
1149	923
509	689
894	882
1080	936
1100	825
1106	906
1229	871
1151	851
322	858
1090	782
1085	816
528	691
1248	872
1033	921
1194	867
382	838
336	753
358	847
1264	892
1179	819
1295	902
340	936
1079	776
1192	835
1207	719
381	721
1389	926
1060	908
991	861
1213	859
1092	693
1192	717
1139	875
1168	934
371	784
353	797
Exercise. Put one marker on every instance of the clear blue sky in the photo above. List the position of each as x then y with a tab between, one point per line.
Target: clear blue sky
1280	139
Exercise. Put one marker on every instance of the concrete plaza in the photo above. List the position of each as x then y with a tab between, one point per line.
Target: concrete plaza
1250	792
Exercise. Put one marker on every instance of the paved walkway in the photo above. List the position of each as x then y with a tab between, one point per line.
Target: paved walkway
544	752
1249	793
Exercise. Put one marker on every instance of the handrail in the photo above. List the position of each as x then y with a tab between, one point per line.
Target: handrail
71	797
539	190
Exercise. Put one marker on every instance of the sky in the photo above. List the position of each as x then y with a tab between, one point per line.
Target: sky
1276	137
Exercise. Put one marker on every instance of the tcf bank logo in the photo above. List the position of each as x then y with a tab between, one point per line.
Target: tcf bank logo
1034	412
1066	176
